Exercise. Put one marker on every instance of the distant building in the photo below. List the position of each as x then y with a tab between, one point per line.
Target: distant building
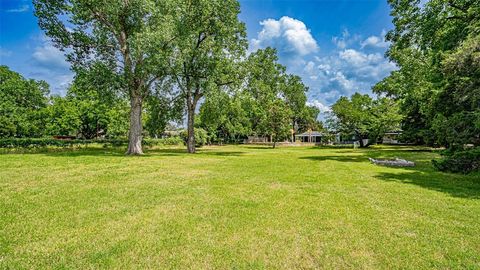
310	137
392	137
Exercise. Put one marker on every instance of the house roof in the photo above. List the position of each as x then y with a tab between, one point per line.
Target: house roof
312	133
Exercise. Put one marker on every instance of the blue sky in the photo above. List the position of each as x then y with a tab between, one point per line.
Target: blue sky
336	46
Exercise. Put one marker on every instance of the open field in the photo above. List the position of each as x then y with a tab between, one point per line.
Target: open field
239	207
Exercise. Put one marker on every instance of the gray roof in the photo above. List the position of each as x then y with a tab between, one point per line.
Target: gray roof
313	133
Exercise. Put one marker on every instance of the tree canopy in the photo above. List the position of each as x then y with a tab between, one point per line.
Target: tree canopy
435	46
130	38
365	118
21	104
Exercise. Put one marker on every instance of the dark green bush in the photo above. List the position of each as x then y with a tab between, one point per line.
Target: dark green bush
176	140
39	142
464	161
31	143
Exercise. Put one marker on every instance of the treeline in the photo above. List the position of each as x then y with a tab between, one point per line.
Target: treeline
169	57
91	109
436	46
267	102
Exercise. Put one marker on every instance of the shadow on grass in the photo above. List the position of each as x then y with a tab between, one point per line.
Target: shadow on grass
120	152
456	185
183	152
422	158
260	147
223	154
360	158
422	175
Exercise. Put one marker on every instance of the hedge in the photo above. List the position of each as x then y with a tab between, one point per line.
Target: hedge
29	143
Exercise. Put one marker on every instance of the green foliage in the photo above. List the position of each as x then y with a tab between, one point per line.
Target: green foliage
117	126
270	103
225	117
364	117
63	117
209	48
32	143
277	121
308	119
201	137
463	161
22	103
131	41
29	143
88	111
159	111
436	45
267	83
438	82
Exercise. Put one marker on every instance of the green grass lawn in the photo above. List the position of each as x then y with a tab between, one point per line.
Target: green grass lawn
239	207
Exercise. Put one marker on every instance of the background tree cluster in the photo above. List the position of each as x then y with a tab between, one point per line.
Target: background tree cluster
268	102
436	46
21	105
156	61
364	119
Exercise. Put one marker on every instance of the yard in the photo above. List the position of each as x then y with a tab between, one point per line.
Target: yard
239	207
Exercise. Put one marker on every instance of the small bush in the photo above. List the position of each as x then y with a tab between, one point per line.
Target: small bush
201	136
465	161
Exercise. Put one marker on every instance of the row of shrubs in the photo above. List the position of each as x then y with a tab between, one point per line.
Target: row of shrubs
30	143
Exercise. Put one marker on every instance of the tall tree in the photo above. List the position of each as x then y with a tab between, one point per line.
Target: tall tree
210	44
265	82
21	105
296	98
132	38
429	38
225	117
277	121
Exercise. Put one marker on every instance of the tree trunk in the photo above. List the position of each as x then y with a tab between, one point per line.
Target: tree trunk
190	128
135	133
361	142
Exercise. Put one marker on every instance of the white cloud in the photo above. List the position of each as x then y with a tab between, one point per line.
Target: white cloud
23	8
287	35
341	42
48	56
322	107
357	58
341	73
310	67
48	63
376	41
342	81
345	40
